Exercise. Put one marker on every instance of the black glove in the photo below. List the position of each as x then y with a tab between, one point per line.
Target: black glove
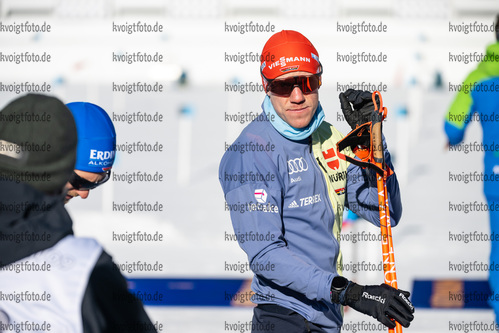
382	302
363	106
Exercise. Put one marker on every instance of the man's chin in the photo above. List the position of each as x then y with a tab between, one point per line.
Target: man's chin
300	123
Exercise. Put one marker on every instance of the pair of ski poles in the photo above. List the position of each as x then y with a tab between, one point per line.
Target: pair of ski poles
375	160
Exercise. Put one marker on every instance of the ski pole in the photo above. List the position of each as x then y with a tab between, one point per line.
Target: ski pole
384	211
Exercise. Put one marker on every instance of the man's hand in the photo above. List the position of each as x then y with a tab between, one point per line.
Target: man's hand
363	107
382	302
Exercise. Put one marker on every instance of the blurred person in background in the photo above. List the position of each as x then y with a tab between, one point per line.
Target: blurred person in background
295	197
96	149
51	280
478	99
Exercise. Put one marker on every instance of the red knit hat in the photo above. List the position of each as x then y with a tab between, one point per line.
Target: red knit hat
288	51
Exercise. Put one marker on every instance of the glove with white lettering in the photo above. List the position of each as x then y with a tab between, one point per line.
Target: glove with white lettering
382	302
363	107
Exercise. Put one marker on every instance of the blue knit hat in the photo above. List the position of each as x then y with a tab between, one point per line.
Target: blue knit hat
96	137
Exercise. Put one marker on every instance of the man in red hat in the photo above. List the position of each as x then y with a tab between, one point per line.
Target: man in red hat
288	216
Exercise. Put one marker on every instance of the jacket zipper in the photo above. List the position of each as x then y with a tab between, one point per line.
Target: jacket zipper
328	200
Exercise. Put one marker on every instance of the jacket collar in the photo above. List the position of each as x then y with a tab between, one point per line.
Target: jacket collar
30	221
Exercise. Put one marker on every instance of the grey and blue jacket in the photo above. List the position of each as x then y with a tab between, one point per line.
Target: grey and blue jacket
286	201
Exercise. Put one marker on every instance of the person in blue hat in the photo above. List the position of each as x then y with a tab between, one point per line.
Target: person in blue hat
50	279
95	151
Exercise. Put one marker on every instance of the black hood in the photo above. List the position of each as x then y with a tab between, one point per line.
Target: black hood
30	221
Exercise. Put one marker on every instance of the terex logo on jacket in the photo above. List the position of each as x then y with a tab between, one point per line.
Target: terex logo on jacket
331	159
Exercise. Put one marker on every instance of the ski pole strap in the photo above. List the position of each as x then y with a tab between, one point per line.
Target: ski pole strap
356	140
360	141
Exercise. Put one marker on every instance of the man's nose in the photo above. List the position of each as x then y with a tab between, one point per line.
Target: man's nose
83	193
297	95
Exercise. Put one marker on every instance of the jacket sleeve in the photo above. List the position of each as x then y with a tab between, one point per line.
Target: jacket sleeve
362	193
461	110
260	232
108	306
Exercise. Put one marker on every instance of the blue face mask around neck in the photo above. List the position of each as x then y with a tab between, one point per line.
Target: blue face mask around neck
287	130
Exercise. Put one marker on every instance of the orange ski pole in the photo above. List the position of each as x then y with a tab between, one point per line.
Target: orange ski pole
384	211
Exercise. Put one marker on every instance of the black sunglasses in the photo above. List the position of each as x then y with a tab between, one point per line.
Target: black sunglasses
307	84
80	183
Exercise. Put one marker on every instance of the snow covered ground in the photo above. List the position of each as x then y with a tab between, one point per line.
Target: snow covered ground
195	222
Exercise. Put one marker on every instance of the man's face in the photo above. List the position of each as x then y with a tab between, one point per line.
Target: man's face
298	108
83	193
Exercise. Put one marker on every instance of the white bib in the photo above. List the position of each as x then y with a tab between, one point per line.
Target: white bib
44	292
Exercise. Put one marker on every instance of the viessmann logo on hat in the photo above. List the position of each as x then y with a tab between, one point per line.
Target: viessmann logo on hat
284	60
